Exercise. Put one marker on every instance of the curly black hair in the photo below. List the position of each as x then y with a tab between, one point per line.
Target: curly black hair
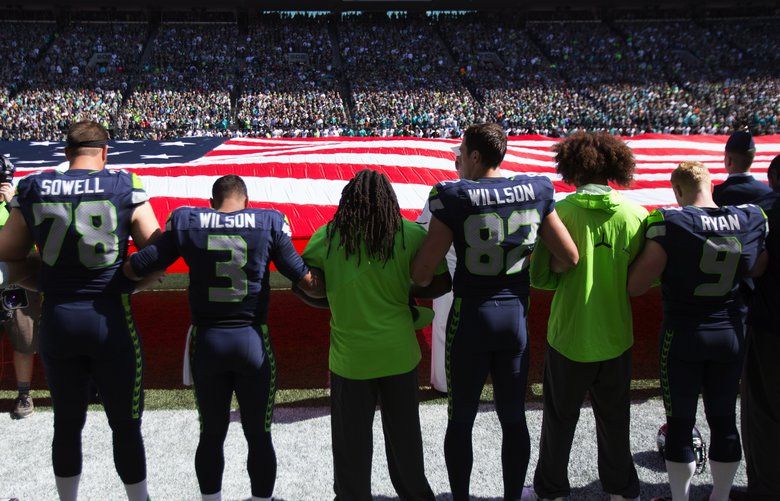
586	157
368	214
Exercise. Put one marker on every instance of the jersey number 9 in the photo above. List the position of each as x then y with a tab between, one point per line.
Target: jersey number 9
720	256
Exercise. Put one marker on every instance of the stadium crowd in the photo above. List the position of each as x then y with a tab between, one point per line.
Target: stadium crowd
380	75
289	80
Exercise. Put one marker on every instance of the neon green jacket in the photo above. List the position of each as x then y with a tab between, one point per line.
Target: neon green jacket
590	317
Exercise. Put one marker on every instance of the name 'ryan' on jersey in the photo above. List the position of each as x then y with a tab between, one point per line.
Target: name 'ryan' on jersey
709	251
494	223
229	256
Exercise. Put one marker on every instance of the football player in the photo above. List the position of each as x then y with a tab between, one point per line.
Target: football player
494	222
228	249
701	253
80	220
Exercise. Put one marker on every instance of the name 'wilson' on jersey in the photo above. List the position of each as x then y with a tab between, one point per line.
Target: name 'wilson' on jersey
495	224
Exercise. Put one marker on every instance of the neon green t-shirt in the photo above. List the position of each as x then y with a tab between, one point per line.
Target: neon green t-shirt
3	214
590	316
371	328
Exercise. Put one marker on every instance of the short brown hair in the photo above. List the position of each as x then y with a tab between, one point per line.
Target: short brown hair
489	140
585	157
691	175
742	160
86	131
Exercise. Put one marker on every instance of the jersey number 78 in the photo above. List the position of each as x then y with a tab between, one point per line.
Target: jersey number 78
94	221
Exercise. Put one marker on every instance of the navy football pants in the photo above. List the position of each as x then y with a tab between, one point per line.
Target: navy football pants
83	339
225	360
706	361
487	337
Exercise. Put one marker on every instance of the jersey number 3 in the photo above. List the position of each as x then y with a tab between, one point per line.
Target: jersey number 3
232	268
485	234
95	222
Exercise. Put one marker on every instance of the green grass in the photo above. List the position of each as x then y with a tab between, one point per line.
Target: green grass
157	399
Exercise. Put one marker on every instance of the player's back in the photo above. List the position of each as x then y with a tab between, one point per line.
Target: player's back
228	255
81	221
495	223
709	252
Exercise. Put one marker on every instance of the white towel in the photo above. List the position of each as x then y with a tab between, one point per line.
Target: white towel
187	372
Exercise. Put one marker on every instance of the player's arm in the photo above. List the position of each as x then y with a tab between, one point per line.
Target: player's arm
646	268
431	253
439	286
762	263
291	265
315	302
144	227
563	250
148	266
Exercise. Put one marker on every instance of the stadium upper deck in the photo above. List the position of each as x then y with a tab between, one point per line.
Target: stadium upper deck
225	73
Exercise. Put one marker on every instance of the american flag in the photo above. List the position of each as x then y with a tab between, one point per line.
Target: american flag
304	177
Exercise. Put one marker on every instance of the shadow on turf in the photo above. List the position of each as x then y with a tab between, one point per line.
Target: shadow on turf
651	460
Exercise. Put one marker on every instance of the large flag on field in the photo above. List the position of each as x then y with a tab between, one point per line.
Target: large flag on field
304	177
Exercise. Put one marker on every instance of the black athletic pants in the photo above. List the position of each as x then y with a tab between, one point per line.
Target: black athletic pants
565	384
761	413
353	403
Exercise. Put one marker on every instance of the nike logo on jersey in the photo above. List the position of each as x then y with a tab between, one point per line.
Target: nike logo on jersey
70	186
217	220
720	223
481	197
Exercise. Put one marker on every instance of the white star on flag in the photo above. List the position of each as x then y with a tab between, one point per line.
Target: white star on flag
175	143
43	143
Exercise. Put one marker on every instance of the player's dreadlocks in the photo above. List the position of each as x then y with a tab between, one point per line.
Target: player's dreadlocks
368	214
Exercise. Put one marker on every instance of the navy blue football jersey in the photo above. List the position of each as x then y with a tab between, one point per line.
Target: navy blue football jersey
229	256
495	224
80	221
709	252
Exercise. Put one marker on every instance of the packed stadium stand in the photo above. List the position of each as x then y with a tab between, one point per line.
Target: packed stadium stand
389	74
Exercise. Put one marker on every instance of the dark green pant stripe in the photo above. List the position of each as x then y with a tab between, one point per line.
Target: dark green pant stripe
667	343
269	354
193	339
139	364
451	330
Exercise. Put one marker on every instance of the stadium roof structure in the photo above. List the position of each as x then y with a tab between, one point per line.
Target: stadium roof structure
383	5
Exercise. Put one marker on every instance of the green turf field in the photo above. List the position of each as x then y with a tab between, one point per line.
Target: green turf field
161	399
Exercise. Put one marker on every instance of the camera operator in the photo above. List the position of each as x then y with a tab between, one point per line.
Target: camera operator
19	314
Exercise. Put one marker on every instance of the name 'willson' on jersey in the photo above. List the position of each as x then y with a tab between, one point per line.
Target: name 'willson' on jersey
518	193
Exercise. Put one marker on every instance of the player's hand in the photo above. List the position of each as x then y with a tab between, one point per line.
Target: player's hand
7	192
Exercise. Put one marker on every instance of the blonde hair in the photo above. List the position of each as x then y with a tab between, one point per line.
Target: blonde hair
691	175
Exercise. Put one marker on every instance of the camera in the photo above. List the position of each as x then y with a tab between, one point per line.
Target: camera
12	298
7	170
